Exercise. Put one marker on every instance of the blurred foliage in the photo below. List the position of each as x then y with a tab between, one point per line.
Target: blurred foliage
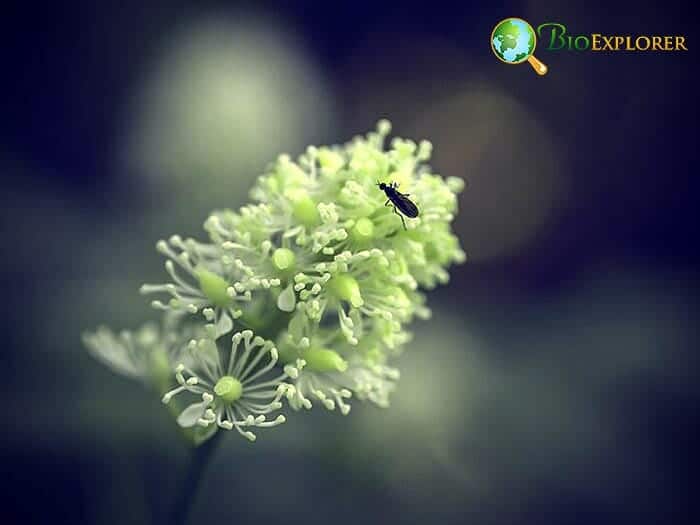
226	95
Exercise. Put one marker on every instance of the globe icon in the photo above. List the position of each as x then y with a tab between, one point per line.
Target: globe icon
513	41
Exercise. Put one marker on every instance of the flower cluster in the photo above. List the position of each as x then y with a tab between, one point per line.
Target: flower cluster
301	297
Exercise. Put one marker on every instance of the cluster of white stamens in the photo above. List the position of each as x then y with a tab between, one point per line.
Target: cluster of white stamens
235	385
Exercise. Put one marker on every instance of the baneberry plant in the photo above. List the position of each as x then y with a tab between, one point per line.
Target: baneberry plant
302	297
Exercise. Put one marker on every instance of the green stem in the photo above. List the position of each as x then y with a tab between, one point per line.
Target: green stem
199	460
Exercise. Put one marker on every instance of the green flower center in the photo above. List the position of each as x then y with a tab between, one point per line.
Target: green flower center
228	389
363	229
305	211
283	259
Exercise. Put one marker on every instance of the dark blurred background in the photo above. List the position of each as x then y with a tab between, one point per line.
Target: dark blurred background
556	382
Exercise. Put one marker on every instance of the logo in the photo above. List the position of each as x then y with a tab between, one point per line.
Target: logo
513	41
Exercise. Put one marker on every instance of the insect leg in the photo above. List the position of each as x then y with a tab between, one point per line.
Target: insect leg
387	202
403	221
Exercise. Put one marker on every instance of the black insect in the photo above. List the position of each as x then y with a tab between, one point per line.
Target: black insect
399	201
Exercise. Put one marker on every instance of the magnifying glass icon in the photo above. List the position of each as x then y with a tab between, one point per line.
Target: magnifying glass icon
513	41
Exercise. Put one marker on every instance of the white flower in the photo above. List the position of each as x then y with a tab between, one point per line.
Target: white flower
214	283
324	375
235	387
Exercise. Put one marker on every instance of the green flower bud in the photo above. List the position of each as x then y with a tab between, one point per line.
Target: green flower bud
346	288
324	360
214	287
161	371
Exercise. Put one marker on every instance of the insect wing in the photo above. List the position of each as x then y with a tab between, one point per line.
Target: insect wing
405	205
